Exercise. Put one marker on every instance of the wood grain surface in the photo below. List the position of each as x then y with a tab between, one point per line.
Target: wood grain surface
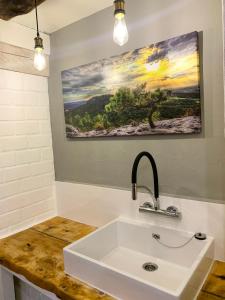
13	8
37	254
214	287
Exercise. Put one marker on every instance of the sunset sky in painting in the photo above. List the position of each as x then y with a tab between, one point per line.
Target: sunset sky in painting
172	64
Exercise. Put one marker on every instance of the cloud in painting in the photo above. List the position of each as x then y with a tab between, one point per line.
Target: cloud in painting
169	64
158	55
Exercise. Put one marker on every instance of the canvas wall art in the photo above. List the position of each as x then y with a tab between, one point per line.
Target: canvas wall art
148	91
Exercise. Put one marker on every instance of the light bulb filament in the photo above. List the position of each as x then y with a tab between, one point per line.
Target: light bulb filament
39	59
120	34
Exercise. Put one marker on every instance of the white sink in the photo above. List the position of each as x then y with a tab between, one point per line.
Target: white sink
111	259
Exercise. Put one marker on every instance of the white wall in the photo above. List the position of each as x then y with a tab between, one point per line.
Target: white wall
188	166
26	158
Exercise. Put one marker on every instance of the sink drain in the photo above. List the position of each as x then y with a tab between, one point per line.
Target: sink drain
150	267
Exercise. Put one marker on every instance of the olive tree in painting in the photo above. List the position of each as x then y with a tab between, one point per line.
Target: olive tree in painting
151	90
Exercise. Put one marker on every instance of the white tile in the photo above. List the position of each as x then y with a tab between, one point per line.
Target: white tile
11	80
16	173
36	113
8	113
27	127
13	143
35	83
45	127
27	156
41	168
26	98
26	160
35	209
36	182
7	128
7	159
47	154
8	97
25	199
9	189
9	219
1	175
39	141
43	99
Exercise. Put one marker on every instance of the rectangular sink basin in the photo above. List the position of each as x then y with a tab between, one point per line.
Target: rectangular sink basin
125	261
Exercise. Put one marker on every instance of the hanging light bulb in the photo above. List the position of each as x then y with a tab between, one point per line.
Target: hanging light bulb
120	33
39	57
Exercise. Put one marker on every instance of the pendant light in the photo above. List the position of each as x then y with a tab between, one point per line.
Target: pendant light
120	34
39	57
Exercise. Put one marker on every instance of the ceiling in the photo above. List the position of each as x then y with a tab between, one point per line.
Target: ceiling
56	14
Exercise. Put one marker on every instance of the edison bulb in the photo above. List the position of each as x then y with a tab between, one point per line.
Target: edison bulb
39	59
120	34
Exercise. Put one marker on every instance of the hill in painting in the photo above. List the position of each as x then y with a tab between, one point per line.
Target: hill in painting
93	106
189	92
69	106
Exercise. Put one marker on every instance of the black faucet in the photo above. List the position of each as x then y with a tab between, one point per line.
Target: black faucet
155	176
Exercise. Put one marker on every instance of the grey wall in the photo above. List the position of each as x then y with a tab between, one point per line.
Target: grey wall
190	166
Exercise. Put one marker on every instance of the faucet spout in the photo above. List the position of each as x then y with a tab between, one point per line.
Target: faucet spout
155	177
134	191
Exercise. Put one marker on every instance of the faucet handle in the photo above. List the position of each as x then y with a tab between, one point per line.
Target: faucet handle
147	205
173	210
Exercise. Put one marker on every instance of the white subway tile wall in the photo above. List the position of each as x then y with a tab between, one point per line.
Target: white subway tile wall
26	158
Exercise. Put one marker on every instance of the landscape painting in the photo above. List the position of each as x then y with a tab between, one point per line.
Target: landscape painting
148	91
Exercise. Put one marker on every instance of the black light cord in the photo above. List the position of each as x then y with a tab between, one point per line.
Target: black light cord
37	18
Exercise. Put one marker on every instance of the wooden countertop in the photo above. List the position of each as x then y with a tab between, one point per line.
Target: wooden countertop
37	254
214	287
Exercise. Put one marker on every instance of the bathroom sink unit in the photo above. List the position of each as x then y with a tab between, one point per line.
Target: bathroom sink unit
128	260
